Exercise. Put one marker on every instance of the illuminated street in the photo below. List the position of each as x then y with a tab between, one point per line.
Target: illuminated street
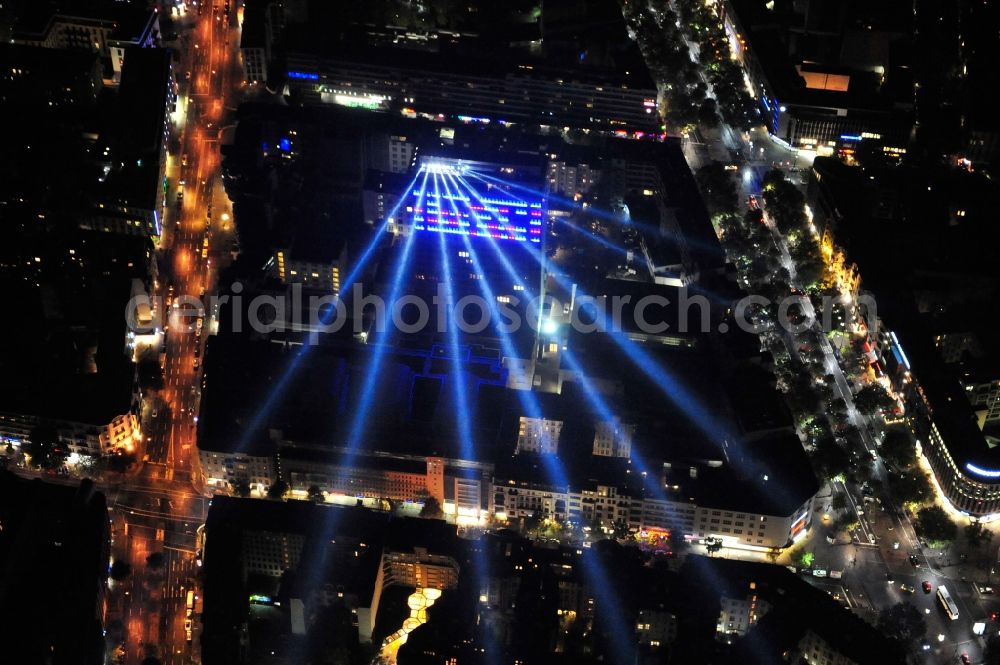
410	332
158	505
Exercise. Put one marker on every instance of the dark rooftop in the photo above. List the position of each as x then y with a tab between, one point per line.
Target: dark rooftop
594	27
139	128
796	607
240	375
54	548
75	369
130	21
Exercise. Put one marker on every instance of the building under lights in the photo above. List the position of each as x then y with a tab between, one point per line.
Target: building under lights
669	237
704	501
487	70
411	454
456	200
488	222
481	230
294	560
848	84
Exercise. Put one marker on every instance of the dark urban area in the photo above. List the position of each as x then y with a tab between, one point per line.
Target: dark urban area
480	332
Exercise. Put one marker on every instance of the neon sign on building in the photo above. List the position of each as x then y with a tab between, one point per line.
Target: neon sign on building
462	209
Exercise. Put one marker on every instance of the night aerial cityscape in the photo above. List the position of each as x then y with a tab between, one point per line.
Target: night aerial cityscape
499	332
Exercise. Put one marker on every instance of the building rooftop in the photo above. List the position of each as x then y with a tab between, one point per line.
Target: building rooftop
341	552
796	607
757	404
770	476
830	54
138	134
416	413
488	44
254	29
54	549
75	369
130	22
949	405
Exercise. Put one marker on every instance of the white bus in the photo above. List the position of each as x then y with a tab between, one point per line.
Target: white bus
950	608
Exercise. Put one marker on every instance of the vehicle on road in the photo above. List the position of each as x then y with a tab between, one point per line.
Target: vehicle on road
906	588
889	578
914	561
965	659
926	586
949	606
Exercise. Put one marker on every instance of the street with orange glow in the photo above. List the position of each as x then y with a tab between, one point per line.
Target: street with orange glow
157	506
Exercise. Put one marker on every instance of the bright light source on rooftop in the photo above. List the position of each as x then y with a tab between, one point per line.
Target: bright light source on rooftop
443	168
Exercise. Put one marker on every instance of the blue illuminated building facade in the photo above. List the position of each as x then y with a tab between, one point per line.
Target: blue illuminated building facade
449	202
499	217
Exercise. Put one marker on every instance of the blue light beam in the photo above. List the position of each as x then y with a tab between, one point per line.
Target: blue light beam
278	390
373	371
593	569
458	380
529	404
669	385
618	220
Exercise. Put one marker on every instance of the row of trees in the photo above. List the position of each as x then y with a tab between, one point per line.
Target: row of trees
670	63
718	189
785	205
753	247
703	27
663	35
